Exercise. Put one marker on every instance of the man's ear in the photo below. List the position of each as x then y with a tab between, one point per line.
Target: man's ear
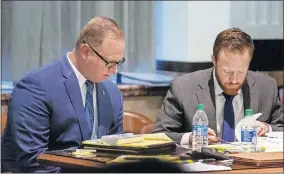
213	60
84	51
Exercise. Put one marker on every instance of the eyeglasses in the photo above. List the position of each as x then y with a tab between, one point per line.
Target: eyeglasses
109	64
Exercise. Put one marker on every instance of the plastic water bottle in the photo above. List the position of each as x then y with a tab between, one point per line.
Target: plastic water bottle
249	132
199	128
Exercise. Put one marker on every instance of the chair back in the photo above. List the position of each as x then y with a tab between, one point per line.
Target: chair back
134	123
3	122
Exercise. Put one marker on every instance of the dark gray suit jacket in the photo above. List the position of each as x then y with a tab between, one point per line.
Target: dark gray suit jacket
179	106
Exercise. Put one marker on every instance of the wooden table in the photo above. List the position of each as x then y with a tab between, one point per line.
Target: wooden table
82	165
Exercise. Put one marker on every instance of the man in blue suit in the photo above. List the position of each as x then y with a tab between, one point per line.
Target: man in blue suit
68	101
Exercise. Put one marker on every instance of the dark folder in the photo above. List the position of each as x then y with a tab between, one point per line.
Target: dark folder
165	148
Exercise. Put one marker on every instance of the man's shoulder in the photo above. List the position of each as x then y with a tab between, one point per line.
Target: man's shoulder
43	75
110	85
260	78
45	71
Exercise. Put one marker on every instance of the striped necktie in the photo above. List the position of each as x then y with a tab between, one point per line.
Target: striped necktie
89	105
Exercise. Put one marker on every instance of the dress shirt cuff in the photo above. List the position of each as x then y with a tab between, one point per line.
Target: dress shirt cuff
185	139
269	128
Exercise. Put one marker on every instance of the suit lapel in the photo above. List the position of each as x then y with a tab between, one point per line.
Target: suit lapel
251	95
206	96
105	111
246	95
73	90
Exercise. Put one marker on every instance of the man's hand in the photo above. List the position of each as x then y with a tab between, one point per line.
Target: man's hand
262	128
212	136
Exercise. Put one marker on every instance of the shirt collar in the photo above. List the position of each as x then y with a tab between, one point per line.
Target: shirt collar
217	88
80	77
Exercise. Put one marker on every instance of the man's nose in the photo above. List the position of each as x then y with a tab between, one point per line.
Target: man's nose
234	78
113	69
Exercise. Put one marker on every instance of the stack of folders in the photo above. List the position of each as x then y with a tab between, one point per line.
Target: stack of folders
263	159
146	144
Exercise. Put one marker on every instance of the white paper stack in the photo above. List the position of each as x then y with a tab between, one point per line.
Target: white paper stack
202	167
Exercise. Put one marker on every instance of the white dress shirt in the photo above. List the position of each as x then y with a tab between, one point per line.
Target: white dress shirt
220	100
83	88
238	106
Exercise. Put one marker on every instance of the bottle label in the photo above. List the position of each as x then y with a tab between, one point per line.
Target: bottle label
248	135
200	130
204	130
197	130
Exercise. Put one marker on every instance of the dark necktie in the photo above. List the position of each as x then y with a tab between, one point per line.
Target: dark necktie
89	106
229	119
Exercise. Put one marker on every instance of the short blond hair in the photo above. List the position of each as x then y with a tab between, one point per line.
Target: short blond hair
97	29
233	39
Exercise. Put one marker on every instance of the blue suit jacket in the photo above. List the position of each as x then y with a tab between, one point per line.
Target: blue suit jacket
46	112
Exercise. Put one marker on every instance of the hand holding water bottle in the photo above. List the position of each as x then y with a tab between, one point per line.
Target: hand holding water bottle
212	138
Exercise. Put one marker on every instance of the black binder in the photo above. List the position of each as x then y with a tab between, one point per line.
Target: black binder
157	149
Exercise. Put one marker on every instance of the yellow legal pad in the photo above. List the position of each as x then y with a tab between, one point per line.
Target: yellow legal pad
225	147
143	140
131	158
142	144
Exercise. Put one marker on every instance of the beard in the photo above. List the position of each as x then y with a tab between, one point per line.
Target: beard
230	89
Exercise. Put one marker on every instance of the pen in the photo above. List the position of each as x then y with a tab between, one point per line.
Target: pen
226	142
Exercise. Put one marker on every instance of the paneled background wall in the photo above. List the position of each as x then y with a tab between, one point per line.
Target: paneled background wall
261	19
